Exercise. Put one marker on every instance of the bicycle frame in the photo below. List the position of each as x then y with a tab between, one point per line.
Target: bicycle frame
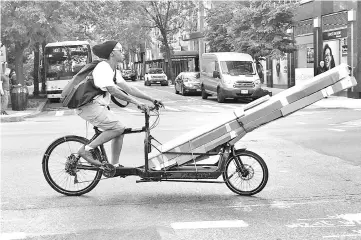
189	170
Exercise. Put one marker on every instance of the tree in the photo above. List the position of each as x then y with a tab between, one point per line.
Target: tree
24	24
256	27
168	17
217	33
123	23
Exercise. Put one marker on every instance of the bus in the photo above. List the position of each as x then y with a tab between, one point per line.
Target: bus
62	60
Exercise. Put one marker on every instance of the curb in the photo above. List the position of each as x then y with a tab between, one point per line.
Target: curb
38	110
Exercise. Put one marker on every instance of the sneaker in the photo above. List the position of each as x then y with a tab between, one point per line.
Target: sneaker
89	156
118	165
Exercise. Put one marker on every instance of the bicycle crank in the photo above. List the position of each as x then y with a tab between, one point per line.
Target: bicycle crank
108	170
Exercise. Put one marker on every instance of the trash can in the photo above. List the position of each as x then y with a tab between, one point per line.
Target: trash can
19	98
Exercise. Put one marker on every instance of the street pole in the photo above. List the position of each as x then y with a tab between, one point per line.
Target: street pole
201	29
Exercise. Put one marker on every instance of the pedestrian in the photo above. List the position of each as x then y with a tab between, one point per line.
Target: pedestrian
13	78
321	68
4	91
109	79
259	69
328	57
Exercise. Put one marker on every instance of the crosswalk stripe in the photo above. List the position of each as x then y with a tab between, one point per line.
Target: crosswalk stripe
229	106
129	110
336	130
193	109
59	113
208	106
209	224
172	109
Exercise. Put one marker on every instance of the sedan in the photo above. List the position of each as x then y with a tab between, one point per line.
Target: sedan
187	82
129	75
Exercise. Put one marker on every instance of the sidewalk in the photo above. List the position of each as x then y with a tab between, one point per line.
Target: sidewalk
330	102
18	116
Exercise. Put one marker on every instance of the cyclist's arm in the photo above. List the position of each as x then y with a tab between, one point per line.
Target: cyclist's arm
135	91
116	92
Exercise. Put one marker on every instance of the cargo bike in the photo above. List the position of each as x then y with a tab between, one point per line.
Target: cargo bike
244	172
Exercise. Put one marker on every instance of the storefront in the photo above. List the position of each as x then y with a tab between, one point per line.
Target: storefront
185	61
305	54
328	31
334	36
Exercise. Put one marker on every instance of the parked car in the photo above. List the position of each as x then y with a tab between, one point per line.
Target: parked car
187	82
129	75
155	75
229	75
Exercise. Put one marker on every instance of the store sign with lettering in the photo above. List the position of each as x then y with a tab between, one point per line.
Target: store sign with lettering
335	34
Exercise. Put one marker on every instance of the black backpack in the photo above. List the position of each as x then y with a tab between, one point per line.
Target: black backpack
81	89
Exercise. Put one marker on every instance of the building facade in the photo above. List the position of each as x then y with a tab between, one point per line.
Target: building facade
328	31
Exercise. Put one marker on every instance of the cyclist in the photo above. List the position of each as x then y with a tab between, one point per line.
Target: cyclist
97	112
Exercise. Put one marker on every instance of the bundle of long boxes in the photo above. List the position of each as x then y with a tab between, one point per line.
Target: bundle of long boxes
233	126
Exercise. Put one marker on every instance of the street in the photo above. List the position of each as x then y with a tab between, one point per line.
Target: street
313	192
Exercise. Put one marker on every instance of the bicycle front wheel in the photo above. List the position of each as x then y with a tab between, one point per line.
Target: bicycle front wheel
66	173
246	173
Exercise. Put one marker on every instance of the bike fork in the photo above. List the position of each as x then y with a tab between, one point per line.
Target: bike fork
239	163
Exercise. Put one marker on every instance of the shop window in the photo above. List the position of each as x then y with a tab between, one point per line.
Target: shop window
305	56
304	27
334	21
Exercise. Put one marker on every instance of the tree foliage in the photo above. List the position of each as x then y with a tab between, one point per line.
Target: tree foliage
256	27
169	17
24	23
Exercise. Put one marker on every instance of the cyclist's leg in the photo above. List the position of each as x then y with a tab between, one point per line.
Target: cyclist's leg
116	146
102	118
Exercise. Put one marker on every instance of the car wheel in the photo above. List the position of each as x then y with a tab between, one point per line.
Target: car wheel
182	91
175	89
204	94
220	96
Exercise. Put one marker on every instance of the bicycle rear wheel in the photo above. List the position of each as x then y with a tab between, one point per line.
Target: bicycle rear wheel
247	177
65	172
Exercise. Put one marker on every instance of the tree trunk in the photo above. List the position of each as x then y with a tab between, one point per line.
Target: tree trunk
19	55
36	69
42	70
170	65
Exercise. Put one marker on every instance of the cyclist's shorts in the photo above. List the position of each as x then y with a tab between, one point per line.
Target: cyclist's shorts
99	116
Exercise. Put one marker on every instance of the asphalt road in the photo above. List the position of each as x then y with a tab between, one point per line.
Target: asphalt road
313	192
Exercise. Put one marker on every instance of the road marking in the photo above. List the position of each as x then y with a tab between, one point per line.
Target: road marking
13	235
343	220
59	113
301	123
357	233
172	109
193	109
210	224
129	110
229	106
336	129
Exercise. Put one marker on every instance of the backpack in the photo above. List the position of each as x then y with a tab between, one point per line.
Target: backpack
81	88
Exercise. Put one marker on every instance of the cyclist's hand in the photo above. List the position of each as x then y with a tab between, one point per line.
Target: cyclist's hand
158	103
143	107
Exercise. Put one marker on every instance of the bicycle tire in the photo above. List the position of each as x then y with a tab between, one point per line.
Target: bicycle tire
242	155
48	172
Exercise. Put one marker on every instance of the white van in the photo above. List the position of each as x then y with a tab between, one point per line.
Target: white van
229	75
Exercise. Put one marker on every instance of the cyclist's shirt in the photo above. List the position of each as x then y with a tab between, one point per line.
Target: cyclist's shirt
103	76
